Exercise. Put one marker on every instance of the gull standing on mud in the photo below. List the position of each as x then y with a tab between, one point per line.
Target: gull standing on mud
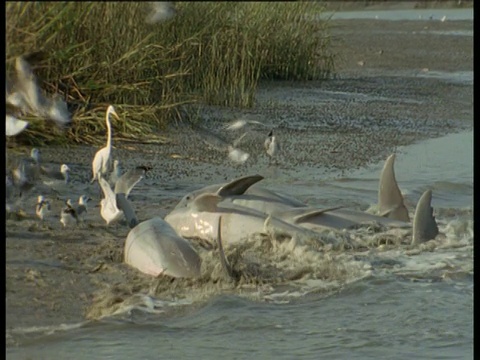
102	156
81	208
42	208
68	216
272	147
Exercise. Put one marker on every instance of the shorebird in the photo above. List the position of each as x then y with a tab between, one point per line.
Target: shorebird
272	147
102	156
25	95
160	11
42	208
68	216
116	173
81	208
112	206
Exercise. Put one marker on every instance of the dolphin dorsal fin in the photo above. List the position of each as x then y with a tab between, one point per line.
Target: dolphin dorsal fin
239	186
305	216
390	199
424	224
206	202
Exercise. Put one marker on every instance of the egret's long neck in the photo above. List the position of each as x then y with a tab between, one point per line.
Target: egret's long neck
109	131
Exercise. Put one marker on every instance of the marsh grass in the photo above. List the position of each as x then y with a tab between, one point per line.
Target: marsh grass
214	53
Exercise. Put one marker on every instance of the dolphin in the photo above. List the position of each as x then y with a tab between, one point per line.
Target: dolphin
154	247
200	219
246	192
242	192
244	205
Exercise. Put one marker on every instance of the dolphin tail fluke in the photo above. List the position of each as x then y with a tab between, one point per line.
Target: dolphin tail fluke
390	199
424	224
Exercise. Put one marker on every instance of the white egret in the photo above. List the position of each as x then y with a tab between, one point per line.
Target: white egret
102	157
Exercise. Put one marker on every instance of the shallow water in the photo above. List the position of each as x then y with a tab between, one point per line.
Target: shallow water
389	303
410	14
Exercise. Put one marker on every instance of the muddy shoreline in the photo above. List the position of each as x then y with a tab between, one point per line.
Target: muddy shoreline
381	98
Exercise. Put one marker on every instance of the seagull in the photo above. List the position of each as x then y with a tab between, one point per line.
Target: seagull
81	208
116	173
271	145
54	176
102	156
161	11
113	205
14	126
216	142
42	207
238	124
68	216
26	95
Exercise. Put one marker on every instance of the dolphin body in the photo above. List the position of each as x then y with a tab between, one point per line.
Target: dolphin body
245	209
154	248
200	219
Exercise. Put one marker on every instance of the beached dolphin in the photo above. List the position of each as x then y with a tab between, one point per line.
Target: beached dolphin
200	219
245	207
246	192
154	248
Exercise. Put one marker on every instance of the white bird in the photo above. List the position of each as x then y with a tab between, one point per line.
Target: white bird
27	172
42	208
14	126
161	11
272	147
68	216
238	124
236	155
111	208
54	176
81	208
28	97
102	156
116	173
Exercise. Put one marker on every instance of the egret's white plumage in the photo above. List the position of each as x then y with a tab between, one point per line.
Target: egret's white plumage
102	157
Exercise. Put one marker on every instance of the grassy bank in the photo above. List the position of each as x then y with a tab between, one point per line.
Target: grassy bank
214	53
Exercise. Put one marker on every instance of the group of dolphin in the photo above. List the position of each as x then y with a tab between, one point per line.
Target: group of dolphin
233	211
